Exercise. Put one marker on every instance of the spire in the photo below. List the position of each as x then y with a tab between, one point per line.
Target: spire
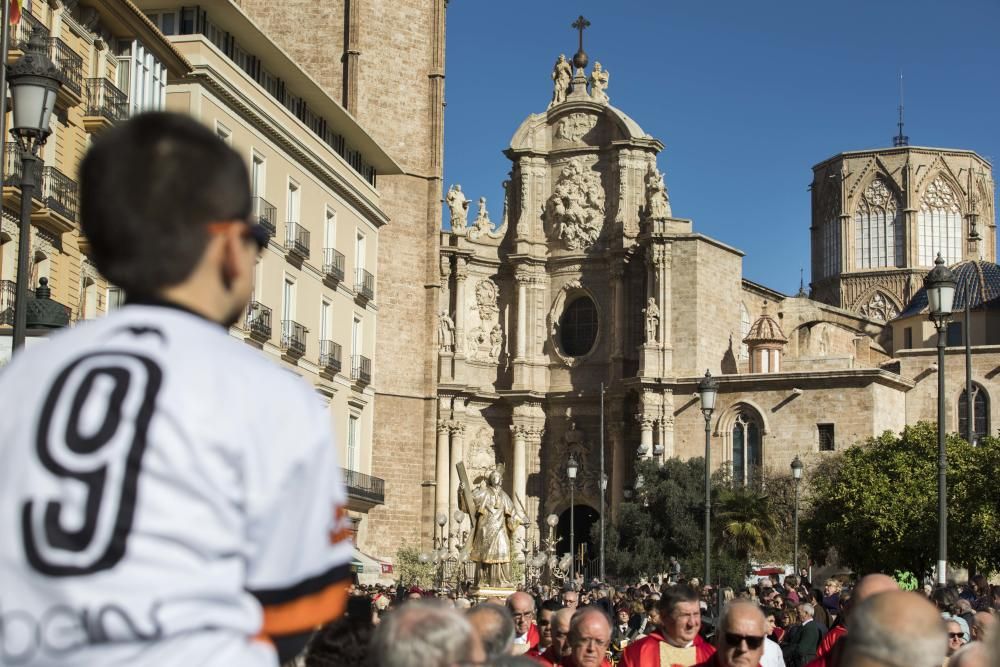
802	284
900	139
580	58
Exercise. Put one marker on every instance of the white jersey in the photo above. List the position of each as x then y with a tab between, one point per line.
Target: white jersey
168	496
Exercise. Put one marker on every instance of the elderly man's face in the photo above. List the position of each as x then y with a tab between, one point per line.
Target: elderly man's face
590	643
570	599
560	633
522	609
741	643
956	638
682	624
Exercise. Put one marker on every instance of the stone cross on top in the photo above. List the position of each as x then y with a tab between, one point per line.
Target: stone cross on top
580	59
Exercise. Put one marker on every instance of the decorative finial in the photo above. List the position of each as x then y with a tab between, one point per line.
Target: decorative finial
802	283
43	291
900	139
580	58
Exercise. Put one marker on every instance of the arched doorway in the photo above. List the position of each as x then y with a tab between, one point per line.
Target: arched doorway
585	518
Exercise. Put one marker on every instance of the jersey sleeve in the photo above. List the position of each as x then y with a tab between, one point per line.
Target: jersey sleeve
299	529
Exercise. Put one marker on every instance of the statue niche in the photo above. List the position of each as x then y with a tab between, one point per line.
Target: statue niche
575	211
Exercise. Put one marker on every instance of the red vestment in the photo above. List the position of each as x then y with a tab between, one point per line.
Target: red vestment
548	658
646	651
824	653
568	661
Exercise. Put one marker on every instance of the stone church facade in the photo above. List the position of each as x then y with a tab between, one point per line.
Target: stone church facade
589	278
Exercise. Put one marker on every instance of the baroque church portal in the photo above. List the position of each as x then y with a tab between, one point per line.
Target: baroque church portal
590	278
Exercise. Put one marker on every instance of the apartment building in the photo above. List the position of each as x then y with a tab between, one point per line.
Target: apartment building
313	173
114	63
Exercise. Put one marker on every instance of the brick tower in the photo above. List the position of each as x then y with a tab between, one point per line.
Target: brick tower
384	59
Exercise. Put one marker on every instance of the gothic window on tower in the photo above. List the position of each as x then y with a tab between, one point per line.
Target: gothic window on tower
747	455
578	327
830	248
980	413
939	224
878	228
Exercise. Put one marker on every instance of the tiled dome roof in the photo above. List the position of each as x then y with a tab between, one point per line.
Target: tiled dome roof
765	330
976	282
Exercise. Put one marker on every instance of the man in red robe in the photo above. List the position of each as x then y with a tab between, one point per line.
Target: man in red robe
589	639
553	655
522	608
677	642
740	639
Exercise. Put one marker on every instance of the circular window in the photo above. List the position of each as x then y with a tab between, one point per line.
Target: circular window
578	327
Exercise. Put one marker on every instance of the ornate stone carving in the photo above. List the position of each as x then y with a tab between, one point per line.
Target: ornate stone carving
482	224
575	211
939	195
562	73
645	421
599	84
574	126
8	227
506	205
496	341
522	218
458	205
443	426
879	308
575	442
652	313
657	199
458	428
486	299
446	332
485	341
878	197
480	455
461	267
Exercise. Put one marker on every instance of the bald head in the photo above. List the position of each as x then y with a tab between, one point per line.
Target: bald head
872	584
895	628
589	637
522	609
983	624
494	626
560	630
742	624
970	655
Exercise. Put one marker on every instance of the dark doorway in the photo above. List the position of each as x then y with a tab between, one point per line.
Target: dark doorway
585	518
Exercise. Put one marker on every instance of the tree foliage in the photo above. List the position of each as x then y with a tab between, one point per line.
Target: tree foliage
746	523
410	570
876	503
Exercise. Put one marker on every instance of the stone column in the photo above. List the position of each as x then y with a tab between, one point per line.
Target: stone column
519	484
618	319
461	273
443	480
522	314
457	454
646	439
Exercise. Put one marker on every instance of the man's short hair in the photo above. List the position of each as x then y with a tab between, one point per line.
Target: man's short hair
148	188
674	596
423	634
580	616
497	631
807	608
551	605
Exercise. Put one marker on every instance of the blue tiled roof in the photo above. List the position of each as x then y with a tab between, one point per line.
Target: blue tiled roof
975	281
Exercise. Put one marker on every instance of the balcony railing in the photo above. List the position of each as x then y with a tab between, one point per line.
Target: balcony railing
364	487
329	355
333	264
70	64
297	239
364	284
8	294
293	337
258	322
21	31
59	192
361	369
106	100
13	168
266	214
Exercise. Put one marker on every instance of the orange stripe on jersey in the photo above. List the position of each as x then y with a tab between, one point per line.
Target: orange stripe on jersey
306	612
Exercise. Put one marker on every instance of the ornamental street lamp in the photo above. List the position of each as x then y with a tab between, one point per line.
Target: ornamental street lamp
604	488
571	468
708	389
797	476
940	287
34	84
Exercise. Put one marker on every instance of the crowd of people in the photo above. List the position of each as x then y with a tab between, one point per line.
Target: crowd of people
778	622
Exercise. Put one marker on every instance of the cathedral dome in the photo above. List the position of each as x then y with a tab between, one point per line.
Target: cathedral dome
765	330
976	283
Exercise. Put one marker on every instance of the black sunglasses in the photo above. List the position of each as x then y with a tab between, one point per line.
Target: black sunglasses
956	635
734	640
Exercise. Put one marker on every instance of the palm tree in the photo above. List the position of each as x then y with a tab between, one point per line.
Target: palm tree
746	522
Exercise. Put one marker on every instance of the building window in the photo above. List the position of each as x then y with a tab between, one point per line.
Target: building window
353	441
878	228
223	132
827	440
116	298
257	180
324	319
980	413
908	338
359	251
293	202
939	224
953	337
146	76
747	454
830	248
288	300
578	327
357	339
330	229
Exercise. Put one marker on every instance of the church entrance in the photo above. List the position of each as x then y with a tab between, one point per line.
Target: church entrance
585	518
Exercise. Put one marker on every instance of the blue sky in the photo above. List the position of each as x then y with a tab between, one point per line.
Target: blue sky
747	95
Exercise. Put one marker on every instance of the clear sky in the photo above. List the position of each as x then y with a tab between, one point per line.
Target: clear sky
746	95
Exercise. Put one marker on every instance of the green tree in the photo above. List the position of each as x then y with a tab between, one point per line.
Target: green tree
746	523
411	571
876	504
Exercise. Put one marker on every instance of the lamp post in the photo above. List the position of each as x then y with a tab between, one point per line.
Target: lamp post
797	476
441	547
708	389
571	468
34	84
940	287
604	483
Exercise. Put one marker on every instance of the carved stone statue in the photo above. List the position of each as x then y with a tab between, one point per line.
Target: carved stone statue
575	210
458	205
446	332
652	320
599	84
494	519
496	341
657	199
482	224
562	73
